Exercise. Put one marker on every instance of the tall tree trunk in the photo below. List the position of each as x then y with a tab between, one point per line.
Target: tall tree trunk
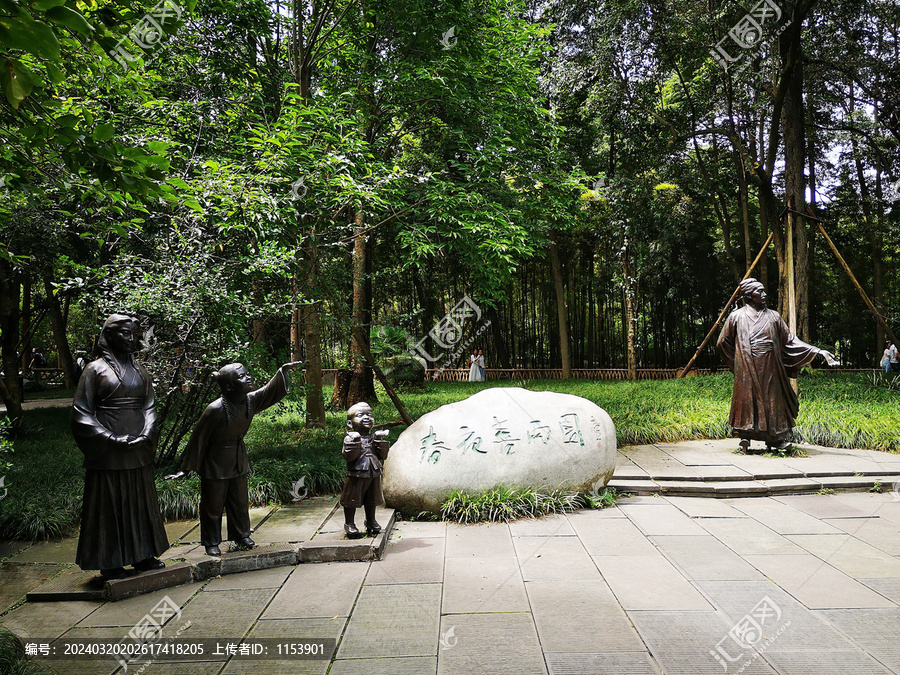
630	320
315	404
498	339
361	386
875	243
561	313
9	341
26	320
59	335
793	124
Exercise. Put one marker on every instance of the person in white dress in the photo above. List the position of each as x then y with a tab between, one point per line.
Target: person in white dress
473	366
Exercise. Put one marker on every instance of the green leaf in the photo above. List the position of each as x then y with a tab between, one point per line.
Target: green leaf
55	73
158	147
35	37
70	19
68	121
192	203
47	4
15	82
103	132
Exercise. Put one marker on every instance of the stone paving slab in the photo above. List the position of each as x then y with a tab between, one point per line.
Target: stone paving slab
488	539
61	551
661	519
10	548
189	668
293	629
394	620
322	590
704	557
99	666
224	614
822	506
610	536
889	588
508	642
877	631
46	619
700	507
128	612
331	544
554	558
722	471
649	583
656	462
273	577
764	467
806	631
415	530
826	662
411	665
870	503
850	555
409	561
746	536
782	518
681	642
549	526
482	584
20	579
695	454
296	522
559	606
815	583
621	663
72	584
880	533
182	530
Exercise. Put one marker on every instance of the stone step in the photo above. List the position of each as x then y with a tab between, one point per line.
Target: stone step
748	487
319	538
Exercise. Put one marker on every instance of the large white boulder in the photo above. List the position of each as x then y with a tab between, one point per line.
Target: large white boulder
520	438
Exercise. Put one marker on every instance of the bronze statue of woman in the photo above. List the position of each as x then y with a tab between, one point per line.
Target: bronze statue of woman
114	424
763	354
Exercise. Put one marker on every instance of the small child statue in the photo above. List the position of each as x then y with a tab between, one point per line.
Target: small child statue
217	453
364	452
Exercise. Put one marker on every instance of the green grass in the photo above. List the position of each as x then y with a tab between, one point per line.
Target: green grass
836	410
503	504
12	657
45	481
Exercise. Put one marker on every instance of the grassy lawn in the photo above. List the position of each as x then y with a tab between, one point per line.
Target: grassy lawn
45	482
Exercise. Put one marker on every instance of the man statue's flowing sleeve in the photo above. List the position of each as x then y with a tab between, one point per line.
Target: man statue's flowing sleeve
727	338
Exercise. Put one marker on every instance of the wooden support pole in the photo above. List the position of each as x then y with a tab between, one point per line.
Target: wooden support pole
367	353
859	288
734	295
792	296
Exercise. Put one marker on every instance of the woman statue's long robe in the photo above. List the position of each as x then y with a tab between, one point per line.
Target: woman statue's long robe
121	522
763	354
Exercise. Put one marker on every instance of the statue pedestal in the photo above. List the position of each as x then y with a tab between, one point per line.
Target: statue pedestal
91	586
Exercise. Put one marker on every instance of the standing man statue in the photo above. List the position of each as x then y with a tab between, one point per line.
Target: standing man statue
216	452
763	354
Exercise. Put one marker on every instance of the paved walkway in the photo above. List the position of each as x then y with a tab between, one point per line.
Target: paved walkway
715	469
658	584
31	404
